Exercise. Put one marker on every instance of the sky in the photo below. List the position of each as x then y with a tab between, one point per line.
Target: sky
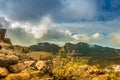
30	22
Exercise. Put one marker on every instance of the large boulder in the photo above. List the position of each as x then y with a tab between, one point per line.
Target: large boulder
7	60
35	73
5	45
28	64
21	49
2	33
25	75
101	77
40	65
17	67
3	72
3	38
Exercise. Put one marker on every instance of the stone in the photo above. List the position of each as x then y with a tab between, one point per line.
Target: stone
2	36
40	65
116	68
6	52
7	60
7	40
25	75
3	72
2	33
21	49
34	73
101	77
28	63
5	45
17	67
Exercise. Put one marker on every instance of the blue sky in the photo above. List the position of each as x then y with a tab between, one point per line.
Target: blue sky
60	21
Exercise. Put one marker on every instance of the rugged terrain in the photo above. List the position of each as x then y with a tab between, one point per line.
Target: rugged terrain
21	63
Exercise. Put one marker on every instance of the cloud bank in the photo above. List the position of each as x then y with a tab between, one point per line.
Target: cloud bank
59	21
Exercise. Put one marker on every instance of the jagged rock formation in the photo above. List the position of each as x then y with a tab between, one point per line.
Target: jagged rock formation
16	64
2	33
3	38
21	49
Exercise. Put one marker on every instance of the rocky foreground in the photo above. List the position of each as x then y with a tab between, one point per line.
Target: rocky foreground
16	65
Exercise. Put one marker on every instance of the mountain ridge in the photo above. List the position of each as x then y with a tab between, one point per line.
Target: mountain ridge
81	48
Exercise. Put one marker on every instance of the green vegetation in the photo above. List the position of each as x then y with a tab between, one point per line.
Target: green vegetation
82	62
67	67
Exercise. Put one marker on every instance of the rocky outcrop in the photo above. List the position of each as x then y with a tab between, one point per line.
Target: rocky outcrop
2	33
13	67
20	66
3	37
21	49
7	60
40	65
17	67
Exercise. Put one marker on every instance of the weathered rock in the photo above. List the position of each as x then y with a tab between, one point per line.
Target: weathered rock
5	45
2	37
40	55
84	67
3	72
34	73
7	40
17	67
2	33
7	60
21	49
6	52
49	78
40	65
19	76
97	71
101	77
28	63
116	68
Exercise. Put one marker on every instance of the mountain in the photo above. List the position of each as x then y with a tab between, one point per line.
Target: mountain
86	49
79	48
45	47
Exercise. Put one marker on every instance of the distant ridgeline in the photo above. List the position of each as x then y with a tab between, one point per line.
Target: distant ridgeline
79	48
45	47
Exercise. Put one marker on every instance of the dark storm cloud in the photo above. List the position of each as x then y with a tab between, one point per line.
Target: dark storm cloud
28	9
35	18
60	10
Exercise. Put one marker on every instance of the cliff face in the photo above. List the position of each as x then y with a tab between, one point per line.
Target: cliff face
2	33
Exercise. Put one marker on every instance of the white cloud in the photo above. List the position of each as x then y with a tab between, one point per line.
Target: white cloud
96	35
38	30
86	38
115	38
47	30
